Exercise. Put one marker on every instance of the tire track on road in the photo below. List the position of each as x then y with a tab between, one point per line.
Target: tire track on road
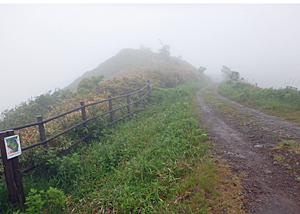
267	187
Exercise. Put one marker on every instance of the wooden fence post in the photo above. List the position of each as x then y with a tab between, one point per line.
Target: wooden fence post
12	172
83	113
128	107
149	90
110	108
41	129
139	103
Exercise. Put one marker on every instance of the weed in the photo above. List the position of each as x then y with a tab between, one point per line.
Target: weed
278	158
291	146
287	166
38	201
137	166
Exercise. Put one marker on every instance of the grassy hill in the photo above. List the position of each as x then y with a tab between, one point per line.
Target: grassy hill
129	71
124	72
156	161
129	61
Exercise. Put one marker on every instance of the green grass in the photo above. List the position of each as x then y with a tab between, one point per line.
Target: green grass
141	165
221	105
283	102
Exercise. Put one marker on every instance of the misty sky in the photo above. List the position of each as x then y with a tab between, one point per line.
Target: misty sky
43	47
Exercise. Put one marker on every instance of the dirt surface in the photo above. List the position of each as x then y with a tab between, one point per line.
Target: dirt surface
247	138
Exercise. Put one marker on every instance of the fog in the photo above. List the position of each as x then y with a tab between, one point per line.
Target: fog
44	47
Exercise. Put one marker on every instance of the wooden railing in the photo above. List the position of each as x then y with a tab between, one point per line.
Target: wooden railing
13	172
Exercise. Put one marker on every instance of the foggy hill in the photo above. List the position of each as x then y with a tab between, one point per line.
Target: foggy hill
129	61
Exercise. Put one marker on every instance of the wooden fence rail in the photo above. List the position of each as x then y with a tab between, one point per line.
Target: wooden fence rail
43	140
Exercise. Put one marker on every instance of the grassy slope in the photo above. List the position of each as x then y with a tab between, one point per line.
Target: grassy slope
129	61
126	72
156	161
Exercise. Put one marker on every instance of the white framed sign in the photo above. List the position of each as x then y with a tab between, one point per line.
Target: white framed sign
13	146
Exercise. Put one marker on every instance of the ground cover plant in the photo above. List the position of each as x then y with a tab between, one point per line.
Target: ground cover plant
67	100
145	164
124	73
283	102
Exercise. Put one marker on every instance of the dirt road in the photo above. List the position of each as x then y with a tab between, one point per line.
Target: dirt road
247	139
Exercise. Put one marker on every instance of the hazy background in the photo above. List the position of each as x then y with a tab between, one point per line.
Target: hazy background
43	47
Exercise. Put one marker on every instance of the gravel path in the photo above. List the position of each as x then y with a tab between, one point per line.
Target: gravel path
247	146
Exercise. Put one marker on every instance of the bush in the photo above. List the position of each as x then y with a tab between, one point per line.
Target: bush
50	201
268	98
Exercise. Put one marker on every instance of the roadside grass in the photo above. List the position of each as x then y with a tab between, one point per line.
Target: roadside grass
282	155
270	101
283	102
288	145
211	188
209	96
223	106
153	162
278	157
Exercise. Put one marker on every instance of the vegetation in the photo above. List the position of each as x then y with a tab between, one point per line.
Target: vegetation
139	65
86	85
26	112
222	105
130	61
201	70
282	102
160	151
89	90
156	161
229	75
165	52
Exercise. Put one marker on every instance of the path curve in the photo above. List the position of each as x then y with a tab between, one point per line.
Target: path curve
273	122
267	187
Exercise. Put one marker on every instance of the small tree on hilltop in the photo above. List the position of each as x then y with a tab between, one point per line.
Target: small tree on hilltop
201	70
164	51
229	75
226	72
234	76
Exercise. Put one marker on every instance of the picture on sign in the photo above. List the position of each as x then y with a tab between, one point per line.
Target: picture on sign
13	146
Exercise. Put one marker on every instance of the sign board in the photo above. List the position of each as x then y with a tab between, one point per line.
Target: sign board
13	146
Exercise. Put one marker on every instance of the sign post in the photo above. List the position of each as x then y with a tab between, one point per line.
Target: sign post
10	150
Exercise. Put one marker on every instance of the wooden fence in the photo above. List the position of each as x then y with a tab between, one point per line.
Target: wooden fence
11	167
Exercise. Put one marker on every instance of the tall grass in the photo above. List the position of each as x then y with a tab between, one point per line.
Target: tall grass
132	167
153	162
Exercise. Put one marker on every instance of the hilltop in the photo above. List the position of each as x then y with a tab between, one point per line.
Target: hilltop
131	61
125	72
